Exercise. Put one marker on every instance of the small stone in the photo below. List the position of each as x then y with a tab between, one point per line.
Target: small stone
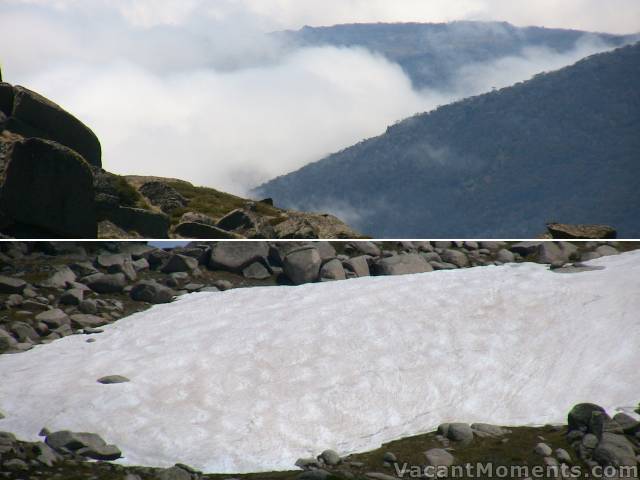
112	379
590	440
389	457
330	457
439	457
563	456
543	449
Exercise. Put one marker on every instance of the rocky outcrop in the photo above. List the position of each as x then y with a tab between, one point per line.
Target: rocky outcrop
163	196
580	232
32	115
49	187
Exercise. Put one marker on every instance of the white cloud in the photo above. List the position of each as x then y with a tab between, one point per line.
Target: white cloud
193	89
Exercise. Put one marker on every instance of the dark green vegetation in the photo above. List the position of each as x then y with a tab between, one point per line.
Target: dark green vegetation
432	53
514	449
212	203
562	147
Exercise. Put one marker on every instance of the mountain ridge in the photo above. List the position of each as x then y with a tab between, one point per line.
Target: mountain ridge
463	144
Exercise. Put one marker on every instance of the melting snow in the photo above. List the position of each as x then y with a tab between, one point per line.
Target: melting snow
252	379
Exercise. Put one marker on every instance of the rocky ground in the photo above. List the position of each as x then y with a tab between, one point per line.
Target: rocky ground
49	290
590	445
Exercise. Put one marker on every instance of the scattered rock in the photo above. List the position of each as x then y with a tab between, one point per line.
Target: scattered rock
151	292
112	379
455	257
543	449
358	265
180	263
332	270
106	283
72	297
439	457
402	265
84	444
330	457
163	196
234	256
236	220
563	456
460	432
11	285
81	320
303	265
53	318
256	271
615	450
606	250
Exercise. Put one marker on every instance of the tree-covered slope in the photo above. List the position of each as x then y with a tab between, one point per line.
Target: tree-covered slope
432	53
564	146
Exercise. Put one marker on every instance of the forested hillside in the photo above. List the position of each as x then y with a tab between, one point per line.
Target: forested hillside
564	146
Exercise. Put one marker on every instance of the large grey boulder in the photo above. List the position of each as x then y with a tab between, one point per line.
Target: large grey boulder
579	417
11	285
109	260
151	292
256	271
326	250
180	263
73	296
332	270
550	253
7	342
106	282
83	320
606	250
367	248
147	223
615	450
234	256
505	256
460	432
402	265
53	318
84	444
455	257
64	202
358	265
174	473
526	248
235	220
303	265
48	120
60	278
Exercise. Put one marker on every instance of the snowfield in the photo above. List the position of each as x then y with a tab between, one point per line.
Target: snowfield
251	379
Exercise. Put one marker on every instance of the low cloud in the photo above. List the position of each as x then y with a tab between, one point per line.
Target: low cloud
195	90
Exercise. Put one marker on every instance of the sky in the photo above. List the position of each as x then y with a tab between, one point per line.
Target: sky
194	89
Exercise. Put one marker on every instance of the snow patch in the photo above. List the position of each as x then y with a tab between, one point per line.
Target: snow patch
251	379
